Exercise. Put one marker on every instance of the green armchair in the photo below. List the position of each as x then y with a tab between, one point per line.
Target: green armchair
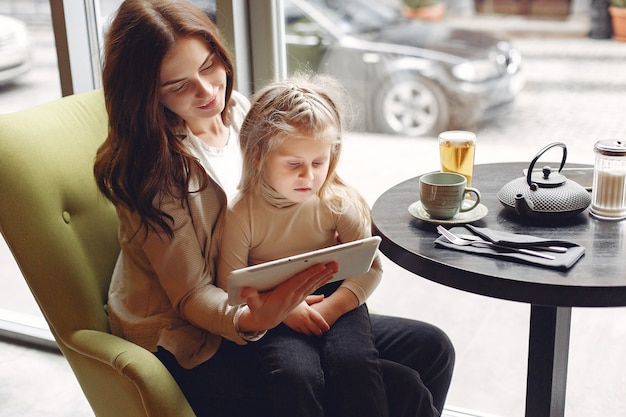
63	235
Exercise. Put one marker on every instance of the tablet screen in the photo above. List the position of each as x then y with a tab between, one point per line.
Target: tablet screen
354	258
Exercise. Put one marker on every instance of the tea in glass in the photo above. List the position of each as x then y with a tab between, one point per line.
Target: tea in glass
456	150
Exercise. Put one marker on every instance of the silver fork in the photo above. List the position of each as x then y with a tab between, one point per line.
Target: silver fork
452	238
558	249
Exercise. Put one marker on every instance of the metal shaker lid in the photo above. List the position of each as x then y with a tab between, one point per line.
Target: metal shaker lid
610	147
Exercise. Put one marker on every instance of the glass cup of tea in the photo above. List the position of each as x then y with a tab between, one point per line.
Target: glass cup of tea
456	152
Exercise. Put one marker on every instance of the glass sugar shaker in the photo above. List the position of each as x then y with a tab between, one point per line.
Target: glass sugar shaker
608	195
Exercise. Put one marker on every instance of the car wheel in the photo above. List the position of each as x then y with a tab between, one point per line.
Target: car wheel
410	105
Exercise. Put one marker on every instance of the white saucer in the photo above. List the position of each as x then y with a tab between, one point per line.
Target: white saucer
417	210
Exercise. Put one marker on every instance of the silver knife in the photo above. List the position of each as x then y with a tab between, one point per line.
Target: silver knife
557	249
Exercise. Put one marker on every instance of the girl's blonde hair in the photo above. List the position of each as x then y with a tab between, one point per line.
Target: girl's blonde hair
303	105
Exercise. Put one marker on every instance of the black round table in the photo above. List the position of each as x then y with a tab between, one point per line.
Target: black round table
598	279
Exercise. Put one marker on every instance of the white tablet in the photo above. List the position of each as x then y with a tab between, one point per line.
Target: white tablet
354	258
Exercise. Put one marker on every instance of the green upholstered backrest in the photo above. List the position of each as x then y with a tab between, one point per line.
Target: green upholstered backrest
61	231
63	235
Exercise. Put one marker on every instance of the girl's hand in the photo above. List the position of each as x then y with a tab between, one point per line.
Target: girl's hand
305	320
267	310
336	305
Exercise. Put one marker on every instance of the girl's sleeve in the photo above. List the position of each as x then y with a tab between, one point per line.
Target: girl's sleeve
351	226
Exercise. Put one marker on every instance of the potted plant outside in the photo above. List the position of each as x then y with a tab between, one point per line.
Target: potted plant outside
617	9
432	10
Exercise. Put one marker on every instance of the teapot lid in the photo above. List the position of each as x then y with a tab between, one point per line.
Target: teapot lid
547	178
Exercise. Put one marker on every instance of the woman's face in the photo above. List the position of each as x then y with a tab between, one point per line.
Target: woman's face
193	81
298	167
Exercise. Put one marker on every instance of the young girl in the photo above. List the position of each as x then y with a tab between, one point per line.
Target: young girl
291	201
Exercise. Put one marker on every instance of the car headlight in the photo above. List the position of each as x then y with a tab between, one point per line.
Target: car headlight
478	71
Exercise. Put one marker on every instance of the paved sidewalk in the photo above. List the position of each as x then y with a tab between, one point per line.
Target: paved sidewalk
515	26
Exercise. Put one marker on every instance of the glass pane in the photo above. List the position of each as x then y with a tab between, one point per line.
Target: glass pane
28	63
406	77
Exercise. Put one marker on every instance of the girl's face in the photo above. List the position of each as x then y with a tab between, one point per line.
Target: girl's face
193	81
298	167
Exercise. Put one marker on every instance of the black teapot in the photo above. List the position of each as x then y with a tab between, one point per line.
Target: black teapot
545	195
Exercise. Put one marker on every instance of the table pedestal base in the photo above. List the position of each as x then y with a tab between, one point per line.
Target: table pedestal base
547	361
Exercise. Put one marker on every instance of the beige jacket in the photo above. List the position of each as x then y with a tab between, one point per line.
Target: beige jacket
163	291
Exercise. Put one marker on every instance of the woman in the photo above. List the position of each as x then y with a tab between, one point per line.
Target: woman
168	164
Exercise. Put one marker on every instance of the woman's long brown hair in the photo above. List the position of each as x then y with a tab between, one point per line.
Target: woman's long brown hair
143	158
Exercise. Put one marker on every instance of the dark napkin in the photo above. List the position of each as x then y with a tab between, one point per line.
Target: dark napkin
561	260
516	240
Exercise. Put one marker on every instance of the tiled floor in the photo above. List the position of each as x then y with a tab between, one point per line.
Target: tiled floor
38	383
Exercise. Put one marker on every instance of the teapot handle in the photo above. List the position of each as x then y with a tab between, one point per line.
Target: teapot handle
541	152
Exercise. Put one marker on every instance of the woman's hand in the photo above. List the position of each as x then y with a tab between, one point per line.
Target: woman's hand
306	320
267	310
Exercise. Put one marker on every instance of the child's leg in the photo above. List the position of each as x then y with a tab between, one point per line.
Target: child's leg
354	380
295	379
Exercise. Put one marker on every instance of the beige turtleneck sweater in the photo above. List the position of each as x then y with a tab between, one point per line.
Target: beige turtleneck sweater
264	226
